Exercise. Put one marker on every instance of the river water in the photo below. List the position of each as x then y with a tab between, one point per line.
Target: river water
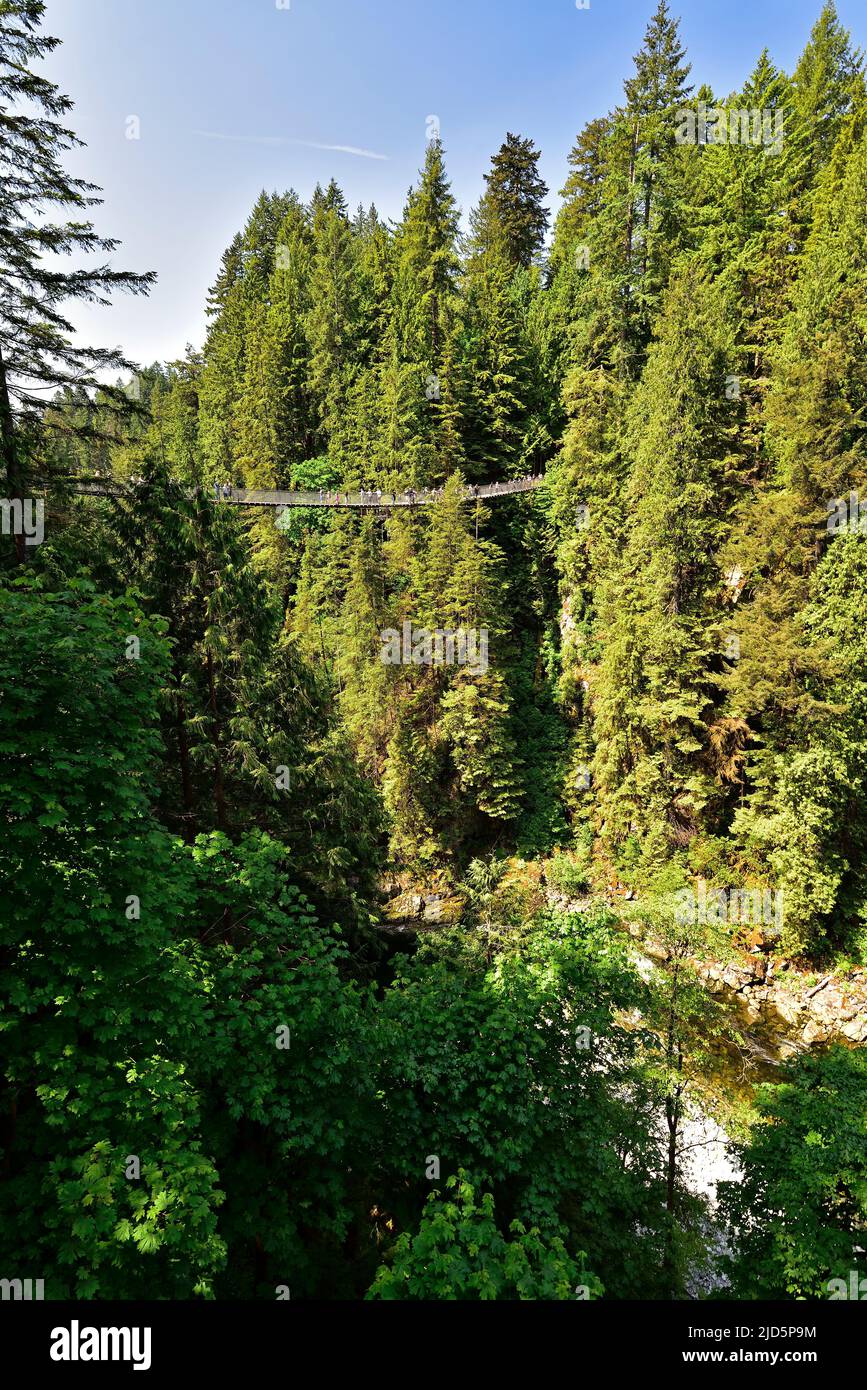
747	1057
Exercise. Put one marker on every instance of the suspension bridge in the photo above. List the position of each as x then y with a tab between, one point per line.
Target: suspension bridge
365	499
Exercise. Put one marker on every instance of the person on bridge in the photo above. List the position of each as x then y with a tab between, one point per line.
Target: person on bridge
227	491
216	492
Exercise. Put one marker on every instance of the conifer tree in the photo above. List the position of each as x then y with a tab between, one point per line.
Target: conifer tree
827	87
333	320
224	365
514	200
494	386
582	191
653	95
813	413
643	219
655	693
37	350
427	264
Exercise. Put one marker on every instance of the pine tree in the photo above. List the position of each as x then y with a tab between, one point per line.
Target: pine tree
494	388
655	694
224	365
289	345
427	264
643	220
814	420
827	87
332	322
326	200
236	304
255	446
514	200
582	191
653	96
37	351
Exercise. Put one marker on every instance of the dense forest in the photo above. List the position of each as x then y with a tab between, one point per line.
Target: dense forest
314	967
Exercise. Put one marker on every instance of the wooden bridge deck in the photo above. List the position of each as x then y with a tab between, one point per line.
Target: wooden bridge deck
367	501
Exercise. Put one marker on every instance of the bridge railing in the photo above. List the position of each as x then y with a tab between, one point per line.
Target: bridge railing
326	497
419	497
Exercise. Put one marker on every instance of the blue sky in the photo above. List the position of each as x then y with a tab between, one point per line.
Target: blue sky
235	95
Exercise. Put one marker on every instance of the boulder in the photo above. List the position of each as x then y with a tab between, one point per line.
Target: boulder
738	977
856	1028
420	910
815	1032
788	1006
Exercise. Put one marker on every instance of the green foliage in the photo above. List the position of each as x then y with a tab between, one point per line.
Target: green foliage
459	1252
796	1216
39	349
208	763
98	999
570	872
487	1046
516	215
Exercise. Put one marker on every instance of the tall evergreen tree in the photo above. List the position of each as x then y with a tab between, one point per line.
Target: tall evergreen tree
643	220
655	691
224	364
37	349
427	264
494	386
514	200
333	319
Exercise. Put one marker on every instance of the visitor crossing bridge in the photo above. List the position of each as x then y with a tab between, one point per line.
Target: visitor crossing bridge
365	499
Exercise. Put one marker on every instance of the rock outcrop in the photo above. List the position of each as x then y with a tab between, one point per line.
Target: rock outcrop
414	912
780	998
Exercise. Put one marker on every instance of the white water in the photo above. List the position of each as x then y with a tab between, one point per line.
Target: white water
706	1160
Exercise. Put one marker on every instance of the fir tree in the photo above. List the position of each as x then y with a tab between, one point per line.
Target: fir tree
332	322
514	200
37	349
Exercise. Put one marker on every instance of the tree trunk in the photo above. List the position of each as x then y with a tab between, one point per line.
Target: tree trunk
630	216
9	454
672	1116
674	1093
189	827
219	796
647	197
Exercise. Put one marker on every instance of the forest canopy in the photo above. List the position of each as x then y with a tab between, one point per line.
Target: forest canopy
225	1072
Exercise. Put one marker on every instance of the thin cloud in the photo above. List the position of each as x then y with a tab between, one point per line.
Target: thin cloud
289	140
